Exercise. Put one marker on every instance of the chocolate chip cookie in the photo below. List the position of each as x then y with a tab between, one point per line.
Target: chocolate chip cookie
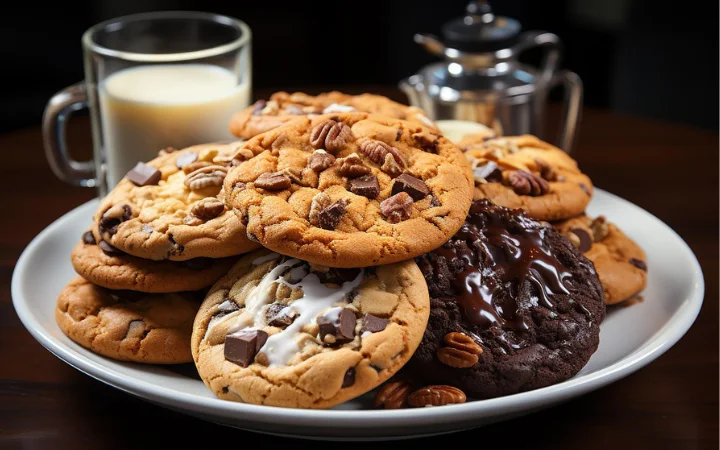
282	332
128	325
117	270
620	263
514	306
351	190
283	107
173	208
525	172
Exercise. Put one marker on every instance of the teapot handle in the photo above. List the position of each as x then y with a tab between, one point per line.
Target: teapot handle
551	57
572	106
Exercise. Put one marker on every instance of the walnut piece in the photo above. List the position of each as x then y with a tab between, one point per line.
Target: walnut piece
525	183
397	208
330	135
276	181
392	395
436	395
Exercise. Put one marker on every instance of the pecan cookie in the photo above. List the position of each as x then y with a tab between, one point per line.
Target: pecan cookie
514	306
282	332
525	172
351	190
128	325
117	270
465	133
173	208
283	107
620	263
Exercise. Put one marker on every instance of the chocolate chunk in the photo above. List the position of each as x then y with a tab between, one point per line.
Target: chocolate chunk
185	159
488	172
398	135
349	378
198	263
241	347
109	249
113	217
434	201
412	186
339	323
279	315
367	186
337	276
329	218
88	238
585	239
144	175
373	324
639	264
226	307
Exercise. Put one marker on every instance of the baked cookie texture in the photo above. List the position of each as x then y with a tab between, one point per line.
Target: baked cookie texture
179	214
514	306
283	107
128	325
527	173
620	263
125	272
351	190
472	140
282	332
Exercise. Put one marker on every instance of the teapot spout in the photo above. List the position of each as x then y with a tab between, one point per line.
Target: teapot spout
414	88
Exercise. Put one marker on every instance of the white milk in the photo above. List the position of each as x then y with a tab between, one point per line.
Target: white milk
147	108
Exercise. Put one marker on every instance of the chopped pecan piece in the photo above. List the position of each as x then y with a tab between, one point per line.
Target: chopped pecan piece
330	135
397	208
525	183
320	160
352	166
276	181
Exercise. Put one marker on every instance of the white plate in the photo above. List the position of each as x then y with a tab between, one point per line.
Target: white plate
630	338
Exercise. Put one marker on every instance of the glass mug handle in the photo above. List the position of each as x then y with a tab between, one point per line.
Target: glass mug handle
572	106
55	119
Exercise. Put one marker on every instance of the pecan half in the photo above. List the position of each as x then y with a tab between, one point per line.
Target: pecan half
320	160
210	176
436	395
461	351
377	151
599	228
195	165
525	183
397	208
276	181
352	166
208	208
392	395
330	135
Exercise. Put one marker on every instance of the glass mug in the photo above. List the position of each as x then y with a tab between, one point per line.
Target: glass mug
153	80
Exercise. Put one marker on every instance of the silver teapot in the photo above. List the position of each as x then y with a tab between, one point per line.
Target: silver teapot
481	80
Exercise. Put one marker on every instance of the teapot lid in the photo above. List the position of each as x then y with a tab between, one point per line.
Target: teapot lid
480	30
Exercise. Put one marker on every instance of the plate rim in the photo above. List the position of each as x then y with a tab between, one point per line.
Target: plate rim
671	333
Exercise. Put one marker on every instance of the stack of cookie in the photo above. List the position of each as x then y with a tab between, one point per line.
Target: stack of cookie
387	254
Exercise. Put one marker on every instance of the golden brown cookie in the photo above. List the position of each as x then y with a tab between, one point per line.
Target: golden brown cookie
351	190
281	332
128	325
117	270
525	172
465	133
173	208
283	107
620	263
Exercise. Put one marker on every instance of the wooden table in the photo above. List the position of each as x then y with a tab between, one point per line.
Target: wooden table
670	170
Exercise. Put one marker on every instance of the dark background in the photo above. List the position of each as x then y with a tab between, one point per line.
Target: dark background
652	58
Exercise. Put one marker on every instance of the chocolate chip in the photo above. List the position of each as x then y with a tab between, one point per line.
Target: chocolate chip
329	217
339	323
144	175
373	324
185	159
412	186
585	239
279	315
113	217
367	186
88	238
241	347
198	263
639	264
109	249
349	378
434	201
337	276
398	135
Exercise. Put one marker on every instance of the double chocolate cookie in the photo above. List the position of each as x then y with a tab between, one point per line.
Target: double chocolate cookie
283	107
350	190
282	332
128	325
514	306
620	263
527	173
173	208
116	270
